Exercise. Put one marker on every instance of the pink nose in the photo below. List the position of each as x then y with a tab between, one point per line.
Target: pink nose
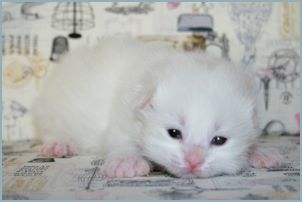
194	157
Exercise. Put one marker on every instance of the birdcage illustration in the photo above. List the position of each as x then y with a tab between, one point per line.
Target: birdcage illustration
73	17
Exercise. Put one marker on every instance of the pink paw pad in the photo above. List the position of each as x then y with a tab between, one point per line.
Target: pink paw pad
57	149
265	158
126	167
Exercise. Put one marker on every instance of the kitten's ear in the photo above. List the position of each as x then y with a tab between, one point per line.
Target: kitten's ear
146	102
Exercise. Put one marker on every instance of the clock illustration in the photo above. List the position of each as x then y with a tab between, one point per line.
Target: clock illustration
284	64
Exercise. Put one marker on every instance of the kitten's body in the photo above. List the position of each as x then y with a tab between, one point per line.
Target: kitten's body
118	98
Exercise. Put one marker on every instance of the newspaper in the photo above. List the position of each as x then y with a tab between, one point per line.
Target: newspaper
26	175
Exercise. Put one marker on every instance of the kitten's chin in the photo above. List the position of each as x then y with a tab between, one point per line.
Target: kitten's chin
196	174
187	174
201	172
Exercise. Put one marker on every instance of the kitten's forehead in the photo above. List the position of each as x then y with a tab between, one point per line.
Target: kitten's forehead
205	98
194	102
202	115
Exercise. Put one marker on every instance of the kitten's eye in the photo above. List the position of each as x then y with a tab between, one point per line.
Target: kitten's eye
218	140
174	133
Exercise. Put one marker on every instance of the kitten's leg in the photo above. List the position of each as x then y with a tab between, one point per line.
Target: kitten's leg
264	157
55	142
130	166
55	145
58	149
123	158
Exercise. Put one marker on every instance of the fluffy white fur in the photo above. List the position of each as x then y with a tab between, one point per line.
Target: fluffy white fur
119	98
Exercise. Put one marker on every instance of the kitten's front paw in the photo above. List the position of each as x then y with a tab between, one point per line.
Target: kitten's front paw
58	149
264	158
126	167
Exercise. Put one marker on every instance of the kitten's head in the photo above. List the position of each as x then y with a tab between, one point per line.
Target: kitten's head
200	120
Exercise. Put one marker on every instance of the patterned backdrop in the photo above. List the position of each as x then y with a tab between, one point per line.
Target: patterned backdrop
263	37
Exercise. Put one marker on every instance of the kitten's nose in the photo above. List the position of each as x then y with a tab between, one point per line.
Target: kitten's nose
193	156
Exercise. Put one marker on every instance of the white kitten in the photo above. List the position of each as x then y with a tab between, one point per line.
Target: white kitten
134	103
